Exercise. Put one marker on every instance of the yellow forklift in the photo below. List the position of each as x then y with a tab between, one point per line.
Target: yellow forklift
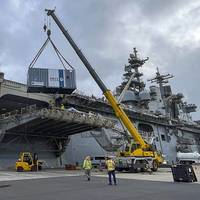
27	162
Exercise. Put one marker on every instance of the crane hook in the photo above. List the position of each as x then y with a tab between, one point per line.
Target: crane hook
48	32
45	27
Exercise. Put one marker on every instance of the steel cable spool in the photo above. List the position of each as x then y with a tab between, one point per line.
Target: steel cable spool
90	119
44	112
108	123
58	114
82	118
72	116
76	116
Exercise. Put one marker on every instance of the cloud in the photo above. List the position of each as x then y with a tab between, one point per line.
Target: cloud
106	31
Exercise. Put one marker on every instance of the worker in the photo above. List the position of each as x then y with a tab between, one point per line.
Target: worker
35	161
111	170
62	107
51	104
87	166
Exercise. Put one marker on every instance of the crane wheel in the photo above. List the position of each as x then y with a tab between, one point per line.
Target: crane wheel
154	166
20	169
142	169
119	169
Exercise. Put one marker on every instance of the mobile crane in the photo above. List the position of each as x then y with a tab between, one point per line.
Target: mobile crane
137	149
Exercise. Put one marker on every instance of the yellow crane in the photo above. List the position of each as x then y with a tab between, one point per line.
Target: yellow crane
139	148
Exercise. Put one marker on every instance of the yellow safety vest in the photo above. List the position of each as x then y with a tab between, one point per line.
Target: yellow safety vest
110	165
87	164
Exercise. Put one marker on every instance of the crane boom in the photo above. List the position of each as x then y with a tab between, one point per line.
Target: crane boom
108	94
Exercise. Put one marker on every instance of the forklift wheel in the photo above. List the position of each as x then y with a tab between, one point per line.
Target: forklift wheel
34	168
20	169
154	166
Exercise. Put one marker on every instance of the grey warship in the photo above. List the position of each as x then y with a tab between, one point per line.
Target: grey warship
88	125
162	117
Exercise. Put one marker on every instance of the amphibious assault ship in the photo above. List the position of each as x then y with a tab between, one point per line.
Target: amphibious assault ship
162	117
88	125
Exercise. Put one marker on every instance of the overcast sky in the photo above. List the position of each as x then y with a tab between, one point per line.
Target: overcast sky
166	31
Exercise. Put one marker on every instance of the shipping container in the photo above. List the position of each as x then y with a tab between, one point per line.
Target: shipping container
52	81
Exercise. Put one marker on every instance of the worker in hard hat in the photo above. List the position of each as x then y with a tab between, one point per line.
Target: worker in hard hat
87	166
62	107
111	170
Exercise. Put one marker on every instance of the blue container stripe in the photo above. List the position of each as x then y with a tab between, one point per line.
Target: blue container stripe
61	78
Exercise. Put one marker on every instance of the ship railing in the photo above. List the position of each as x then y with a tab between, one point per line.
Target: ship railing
76	116
91	98
19	112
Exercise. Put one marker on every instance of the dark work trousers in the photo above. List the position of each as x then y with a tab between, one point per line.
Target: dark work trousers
110	174
88	173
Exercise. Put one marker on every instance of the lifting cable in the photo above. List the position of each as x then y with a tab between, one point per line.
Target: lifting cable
60	56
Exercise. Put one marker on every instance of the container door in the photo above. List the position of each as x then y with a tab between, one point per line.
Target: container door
53	78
